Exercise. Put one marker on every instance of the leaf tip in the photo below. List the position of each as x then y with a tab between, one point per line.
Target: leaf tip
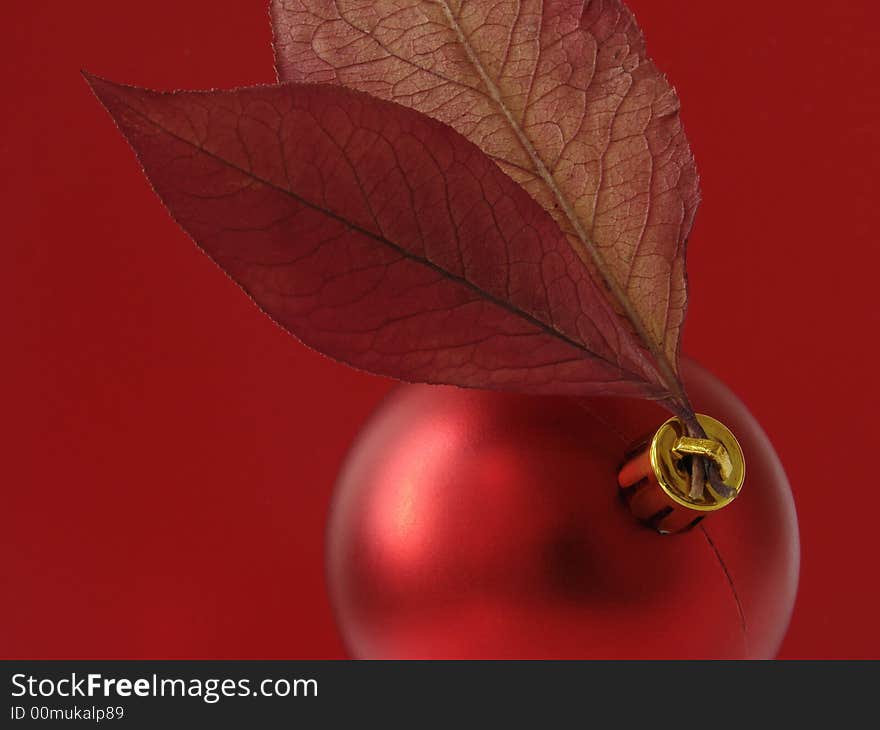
101	87
90	78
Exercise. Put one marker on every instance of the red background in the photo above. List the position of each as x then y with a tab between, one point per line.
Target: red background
169	453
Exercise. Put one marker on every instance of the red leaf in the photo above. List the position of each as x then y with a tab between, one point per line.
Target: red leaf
380	237
562	95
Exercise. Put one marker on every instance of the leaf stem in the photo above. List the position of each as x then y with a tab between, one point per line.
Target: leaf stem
589	253
702	469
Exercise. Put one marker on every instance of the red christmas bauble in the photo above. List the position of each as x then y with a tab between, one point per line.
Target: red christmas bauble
473	524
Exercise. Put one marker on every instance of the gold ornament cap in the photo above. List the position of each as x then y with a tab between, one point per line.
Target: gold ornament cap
655	479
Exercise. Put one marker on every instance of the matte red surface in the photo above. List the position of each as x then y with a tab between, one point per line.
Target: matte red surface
470	524
168	453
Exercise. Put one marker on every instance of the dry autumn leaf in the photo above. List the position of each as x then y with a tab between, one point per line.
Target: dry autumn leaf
381	237
561	94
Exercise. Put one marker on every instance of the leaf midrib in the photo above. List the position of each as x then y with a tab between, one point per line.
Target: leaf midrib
588	252
531	319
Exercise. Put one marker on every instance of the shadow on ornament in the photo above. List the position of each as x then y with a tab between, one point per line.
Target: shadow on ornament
479	525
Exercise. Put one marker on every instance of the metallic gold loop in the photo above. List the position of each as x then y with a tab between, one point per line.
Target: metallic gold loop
671	442
655	480
687	446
